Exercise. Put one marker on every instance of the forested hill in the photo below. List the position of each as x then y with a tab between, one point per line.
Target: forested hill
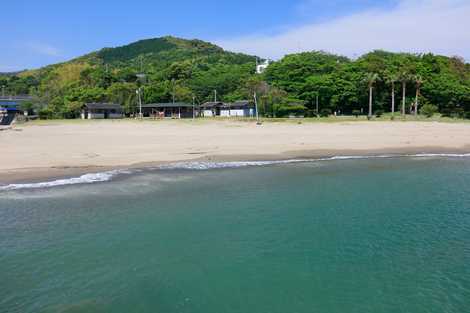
185	69
172	66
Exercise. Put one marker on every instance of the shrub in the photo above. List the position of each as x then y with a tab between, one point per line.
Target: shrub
284	110
379	113
429	110
325	112
311	113
45	114
459	113
27	107
453	113
71	109
445	112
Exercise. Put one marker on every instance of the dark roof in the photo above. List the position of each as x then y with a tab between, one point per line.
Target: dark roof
167	105
16	98
103	106
240	104
209	105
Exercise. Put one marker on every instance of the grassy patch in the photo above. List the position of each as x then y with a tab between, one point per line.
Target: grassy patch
199	121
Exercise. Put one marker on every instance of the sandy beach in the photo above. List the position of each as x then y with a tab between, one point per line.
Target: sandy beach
60	148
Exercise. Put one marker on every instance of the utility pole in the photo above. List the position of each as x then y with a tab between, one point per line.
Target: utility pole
3	91
173	93
138	91
256	108
317	105
215	95
194	113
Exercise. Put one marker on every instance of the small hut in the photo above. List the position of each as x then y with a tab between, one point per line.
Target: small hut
101	111
242	108
169	110
9	109
211	109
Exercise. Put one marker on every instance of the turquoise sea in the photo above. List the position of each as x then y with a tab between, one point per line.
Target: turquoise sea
348	235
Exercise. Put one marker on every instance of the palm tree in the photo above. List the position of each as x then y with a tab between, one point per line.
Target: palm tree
392	78
404	77
419	81
371	79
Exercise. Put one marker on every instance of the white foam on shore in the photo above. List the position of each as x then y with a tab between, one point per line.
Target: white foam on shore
201	166
220	165
84	179
440	155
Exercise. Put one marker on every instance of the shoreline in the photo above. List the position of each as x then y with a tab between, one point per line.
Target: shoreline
43	152
48	174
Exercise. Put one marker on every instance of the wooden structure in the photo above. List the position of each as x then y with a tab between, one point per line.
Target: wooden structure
211	109
101	111
169	110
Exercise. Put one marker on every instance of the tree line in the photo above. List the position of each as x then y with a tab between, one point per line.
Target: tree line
307	84
375	82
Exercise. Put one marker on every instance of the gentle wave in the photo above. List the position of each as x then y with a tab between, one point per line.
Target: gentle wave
84	179
440	155
109	175
221	165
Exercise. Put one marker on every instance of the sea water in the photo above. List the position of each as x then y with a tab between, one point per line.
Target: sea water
336	235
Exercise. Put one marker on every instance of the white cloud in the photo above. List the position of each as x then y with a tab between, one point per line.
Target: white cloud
43	49
417	26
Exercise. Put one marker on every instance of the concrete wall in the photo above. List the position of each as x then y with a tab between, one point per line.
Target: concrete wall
231	113
238	113
98	116
95	116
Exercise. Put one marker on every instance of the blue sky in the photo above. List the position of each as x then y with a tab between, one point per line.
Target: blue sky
36	33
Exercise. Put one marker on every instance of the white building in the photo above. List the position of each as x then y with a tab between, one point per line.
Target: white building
243	108
260	68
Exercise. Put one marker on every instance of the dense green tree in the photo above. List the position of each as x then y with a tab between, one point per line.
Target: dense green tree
180	69
123	94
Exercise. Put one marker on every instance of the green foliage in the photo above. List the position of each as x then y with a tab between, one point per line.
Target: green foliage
284	110
325	112
71	109
429	110
379	113
185	69
27	106
356	113
340	85
45	114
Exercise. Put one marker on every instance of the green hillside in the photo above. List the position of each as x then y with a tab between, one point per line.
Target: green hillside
173	67
185	69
